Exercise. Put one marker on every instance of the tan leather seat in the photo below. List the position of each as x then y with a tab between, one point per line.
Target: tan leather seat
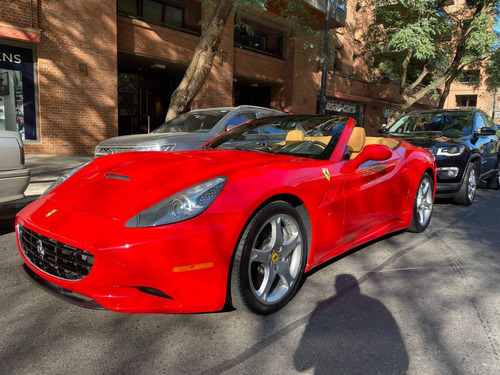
356	141
294	136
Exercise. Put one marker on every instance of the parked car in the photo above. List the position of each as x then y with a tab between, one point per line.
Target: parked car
185	132
14	177
188	231
465	144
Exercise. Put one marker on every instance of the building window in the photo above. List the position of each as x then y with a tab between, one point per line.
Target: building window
466	100
17	91
259	40
184	15
468	77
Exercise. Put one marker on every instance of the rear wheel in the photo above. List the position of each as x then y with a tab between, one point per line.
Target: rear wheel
422	207
468	189
270	260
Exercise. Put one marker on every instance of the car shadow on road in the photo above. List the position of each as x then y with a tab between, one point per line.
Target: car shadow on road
351	333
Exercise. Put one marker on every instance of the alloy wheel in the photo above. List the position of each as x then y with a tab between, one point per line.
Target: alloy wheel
275	258
424	201
472	185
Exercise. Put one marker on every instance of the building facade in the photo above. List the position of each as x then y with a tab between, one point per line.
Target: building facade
75	73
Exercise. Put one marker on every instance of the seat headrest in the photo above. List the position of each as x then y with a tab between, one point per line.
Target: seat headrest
357	140
295	136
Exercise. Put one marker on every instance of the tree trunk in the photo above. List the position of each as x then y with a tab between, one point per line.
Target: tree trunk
446	92
201	63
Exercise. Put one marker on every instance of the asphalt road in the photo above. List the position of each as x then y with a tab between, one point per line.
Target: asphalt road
424	303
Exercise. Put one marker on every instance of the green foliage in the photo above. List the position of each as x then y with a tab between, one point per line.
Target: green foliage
417	26
426	42
493	70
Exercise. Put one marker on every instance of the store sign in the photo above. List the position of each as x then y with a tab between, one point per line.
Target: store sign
9	57
335	106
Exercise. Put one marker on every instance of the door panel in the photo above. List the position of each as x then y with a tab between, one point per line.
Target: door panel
371	195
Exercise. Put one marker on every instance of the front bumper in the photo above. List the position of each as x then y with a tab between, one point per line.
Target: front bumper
13	184
447	189
178	268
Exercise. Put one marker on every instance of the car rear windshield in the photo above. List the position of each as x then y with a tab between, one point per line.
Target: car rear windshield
459	123
193	122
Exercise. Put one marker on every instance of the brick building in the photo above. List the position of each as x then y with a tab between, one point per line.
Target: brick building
75	73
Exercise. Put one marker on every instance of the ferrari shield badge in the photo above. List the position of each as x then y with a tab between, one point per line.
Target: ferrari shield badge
326	172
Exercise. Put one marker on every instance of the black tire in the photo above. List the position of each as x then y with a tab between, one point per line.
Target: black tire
494	182
468	189
270	259
423	205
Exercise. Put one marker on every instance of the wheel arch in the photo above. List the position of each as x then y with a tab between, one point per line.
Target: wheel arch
294	201
298	204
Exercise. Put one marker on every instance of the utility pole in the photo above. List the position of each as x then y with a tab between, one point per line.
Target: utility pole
324	71
495	96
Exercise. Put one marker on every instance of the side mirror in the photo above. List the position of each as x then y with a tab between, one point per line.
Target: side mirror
383	131
487	131
370	153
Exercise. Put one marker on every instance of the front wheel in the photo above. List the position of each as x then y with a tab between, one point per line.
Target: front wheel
467	191
422	207
269	260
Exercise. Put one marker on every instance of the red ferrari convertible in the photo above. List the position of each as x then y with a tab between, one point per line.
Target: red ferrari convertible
237	222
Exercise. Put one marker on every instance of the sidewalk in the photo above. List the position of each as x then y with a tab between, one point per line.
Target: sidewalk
45	169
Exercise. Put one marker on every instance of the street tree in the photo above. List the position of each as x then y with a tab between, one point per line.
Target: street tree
426	44
293	11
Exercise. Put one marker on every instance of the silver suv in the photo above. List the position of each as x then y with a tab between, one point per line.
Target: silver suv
14	178
187	131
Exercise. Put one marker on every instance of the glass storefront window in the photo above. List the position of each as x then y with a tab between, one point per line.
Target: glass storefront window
17	91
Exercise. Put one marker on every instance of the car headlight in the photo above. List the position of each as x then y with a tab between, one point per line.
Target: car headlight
63	178
167	147
181	206
450	151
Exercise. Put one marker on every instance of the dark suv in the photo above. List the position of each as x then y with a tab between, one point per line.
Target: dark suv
465	145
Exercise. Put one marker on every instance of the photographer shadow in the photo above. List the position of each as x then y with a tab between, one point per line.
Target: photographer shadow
351	333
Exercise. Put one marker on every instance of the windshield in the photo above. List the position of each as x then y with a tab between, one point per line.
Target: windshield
459	123
193	122
308	136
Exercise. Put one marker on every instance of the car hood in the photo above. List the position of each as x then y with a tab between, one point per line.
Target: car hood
430	139
156	139
121	185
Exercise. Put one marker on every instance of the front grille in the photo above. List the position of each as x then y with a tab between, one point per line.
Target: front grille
54	257
101	151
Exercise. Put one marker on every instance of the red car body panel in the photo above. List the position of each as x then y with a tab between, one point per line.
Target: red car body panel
190	261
